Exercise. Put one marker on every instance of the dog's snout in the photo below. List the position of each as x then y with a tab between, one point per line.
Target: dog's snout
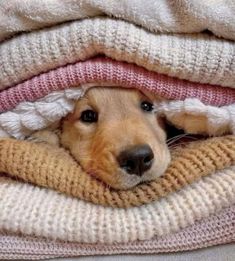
137	159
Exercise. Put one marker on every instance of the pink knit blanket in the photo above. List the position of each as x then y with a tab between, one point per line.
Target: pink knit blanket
214	230
107	71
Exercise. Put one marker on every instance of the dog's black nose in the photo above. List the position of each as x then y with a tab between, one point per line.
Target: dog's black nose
137	159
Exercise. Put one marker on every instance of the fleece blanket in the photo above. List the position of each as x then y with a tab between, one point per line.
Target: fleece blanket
198	58
179	16
216	229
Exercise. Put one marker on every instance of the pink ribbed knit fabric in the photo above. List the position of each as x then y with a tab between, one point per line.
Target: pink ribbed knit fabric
214	230
106	70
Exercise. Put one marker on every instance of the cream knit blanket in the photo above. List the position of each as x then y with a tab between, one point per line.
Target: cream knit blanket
198	58
181	16
214	230
36	211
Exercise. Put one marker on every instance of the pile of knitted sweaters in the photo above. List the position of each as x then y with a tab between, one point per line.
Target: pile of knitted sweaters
51	53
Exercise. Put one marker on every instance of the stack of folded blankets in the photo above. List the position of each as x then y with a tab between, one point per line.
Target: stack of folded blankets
51	53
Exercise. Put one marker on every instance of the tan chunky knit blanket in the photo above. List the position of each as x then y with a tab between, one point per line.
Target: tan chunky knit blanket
54	168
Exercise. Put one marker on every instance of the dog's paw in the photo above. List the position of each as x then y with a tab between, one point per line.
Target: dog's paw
198	124
45	136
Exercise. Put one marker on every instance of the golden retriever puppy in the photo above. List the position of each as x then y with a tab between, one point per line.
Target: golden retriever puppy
115	136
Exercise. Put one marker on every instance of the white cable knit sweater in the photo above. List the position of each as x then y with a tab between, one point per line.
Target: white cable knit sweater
181	16
199	58
37	211
28	117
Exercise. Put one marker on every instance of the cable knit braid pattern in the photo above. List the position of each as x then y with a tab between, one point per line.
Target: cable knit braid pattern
28	117
214	230
196	57
31	210
54	168
105	70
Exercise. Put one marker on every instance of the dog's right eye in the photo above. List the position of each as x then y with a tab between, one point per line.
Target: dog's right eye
89	116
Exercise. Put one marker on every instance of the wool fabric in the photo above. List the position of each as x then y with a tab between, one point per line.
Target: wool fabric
54	168
37	211
198	58
28	117
214	230
179	16
105	70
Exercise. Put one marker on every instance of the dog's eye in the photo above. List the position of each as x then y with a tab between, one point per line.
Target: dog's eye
146	106
89	116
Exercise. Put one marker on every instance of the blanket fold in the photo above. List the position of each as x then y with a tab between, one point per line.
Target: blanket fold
105	71
175	55
178	16
39	102
216	229
32	210
54	168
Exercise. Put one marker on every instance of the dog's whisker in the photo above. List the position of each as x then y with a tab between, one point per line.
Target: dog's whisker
178	137
172	145
190	136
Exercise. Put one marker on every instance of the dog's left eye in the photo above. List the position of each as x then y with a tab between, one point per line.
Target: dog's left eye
89	116
146	106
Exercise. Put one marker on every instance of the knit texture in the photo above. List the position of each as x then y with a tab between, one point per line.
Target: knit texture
214	230
198	58
158	16
105	70
28	117
39	68
54	168
36	211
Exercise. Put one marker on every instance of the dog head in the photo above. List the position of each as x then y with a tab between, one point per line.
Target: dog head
115	136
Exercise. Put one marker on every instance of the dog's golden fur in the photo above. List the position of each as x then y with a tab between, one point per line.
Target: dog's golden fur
121	124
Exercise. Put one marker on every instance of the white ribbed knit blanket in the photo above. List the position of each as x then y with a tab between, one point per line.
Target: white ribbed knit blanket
181	16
